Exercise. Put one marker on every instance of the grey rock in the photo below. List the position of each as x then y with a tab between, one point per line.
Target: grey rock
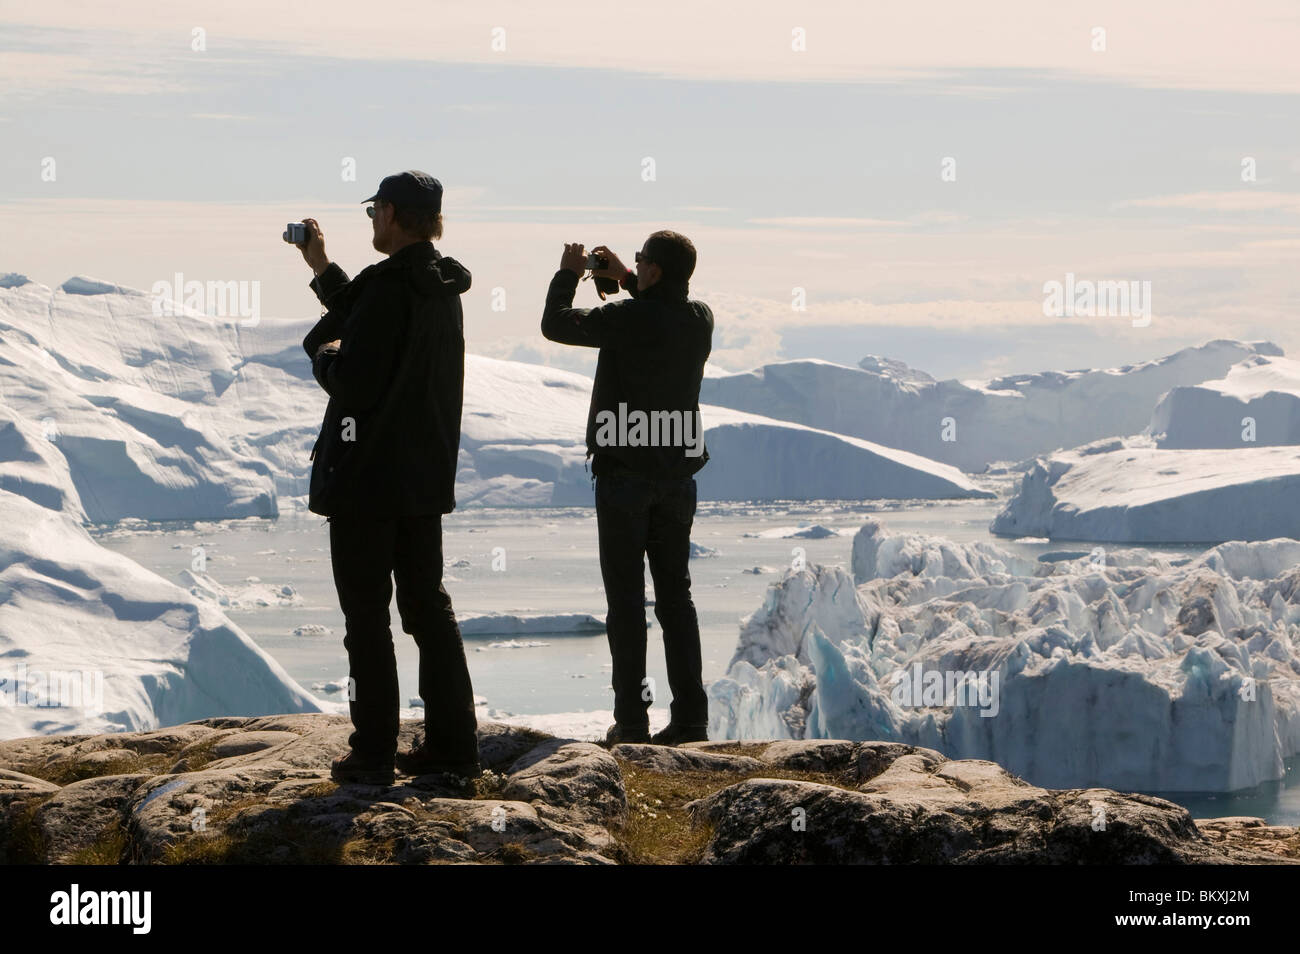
501	745
578	777
665	759
242	743
874	757
495	831
258	788
17	787
82	813
810	755
747	746
923	811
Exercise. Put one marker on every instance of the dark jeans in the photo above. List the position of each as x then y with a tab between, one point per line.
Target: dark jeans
639	517
366	553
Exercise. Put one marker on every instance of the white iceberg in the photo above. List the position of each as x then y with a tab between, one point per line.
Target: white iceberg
1128	491
91	642
1150	677
176	415
971	424
1257	403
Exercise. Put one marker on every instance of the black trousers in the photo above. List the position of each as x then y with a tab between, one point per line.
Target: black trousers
366	555
639	517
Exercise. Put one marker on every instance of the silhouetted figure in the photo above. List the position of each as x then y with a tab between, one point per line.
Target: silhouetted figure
646	442
391	354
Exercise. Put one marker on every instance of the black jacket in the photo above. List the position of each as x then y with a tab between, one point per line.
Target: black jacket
652	353
391	434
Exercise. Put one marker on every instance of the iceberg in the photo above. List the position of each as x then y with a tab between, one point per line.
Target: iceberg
1129	491
1135	674
972	424
1257	403
90	642
152	410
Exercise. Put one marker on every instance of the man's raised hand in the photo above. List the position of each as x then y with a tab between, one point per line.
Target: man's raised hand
313	250
615	270
574	259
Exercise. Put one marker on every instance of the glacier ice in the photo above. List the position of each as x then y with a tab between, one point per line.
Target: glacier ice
1256	402
1006	419
1132	673
177	415
1127	490
142	652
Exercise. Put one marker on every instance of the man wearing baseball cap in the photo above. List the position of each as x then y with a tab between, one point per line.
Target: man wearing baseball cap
390	353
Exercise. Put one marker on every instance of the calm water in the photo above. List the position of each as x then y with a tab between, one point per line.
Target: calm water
551	566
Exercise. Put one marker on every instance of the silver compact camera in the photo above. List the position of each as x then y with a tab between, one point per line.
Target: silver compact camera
296	233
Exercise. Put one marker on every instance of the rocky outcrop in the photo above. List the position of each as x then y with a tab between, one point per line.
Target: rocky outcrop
235	790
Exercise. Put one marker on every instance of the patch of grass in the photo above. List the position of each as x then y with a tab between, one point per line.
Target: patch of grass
199	848
71	770
659	831
24	842
511	853
272	836
200	755
534	736
321	789
359	851
108	849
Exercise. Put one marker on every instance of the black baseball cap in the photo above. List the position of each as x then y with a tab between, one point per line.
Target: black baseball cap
412	189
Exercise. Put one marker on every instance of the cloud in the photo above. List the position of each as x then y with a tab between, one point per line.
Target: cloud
1186	44
1244	200
827	222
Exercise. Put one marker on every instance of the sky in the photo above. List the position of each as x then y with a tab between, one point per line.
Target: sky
859	178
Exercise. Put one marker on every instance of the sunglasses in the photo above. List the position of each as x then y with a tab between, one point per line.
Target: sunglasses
641	258
370	210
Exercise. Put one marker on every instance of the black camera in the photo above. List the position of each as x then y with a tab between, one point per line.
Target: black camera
606	286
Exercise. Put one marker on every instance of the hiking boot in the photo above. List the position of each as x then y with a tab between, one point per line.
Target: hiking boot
362	770
421	760
674	734
620	734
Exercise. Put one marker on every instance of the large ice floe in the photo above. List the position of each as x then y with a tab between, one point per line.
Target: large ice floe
1116	669
1127	490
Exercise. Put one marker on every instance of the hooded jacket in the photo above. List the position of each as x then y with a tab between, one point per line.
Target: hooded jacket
389	442
652	353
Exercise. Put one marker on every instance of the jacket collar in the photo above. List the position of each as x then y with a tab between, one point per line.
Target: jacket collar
417	253
667	291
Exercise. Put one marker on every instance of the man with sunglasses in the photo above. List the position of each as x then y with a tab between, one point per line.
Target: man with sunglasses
645	439
390	352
